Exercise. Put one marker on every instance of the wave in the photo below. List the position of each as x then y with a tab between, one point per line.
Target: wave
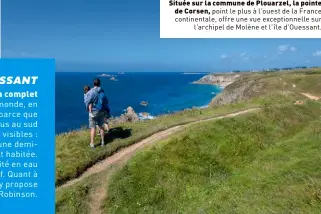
143	116
201	107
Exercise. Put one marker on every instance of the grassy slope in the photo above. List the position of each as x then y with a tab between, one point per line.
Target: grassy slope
73	157
268	162
251	85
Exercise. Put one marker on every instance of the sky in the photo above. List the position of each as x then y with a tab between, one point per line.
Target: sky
123	35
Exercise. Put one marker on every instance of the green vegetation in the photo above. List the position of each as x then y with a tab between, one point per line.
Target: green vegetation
74	200
73	156
264	162
252	85
267	162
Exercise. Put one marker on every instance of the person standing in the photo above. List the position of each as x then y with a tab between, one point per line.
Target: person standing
99	101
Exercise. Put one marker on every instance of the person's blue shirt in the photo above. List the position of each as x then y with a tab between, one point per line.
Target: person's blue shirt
92	98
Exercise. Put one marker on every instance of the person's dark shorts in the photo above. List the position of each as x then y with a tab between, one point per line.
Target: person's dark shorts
98	119
107	115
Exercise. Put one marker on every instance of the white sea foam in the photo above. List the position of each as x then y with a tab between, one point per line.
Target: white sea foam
201	107
145	117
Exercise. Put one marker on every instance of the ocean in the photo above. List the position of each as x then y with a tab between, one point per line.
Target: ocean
165	92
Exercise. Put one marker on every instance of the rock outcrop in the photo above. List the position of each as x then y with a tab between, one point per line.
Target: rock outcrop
241	90
129	116
217	79
144	103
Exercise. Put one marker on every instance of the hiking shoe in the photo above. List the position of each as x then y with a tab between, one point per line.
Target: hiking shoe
92	145
102	143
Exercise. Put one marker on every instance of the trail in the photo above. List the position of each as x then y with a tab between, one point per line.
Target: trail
311	96
120	158
131	150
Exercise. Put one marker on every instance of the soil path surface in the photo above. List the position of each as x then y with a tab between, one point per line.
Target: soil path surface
120	158
129	151
311	96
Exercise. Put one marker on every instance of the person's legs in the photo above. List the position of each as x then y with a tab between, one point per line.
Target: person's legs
102	135
92	137
100	123
98	130
106	126
92	126
106	123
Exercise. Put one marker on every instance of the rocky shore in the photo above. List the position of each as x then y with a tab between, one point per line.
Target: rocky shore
129	116
221	80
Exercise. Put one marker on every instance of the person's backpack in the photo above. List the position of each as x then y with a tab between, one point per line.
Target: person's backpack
102	102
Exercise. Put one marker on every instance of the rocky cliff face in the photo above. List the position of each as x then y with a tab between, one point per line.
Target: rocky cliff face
238	91
129	116
216	79
237	87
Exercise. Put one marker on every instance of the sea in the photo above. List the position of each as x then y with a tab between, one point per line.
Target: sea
165	92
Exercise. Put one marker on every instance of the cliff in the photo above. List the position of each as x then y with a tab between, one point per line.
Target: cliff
221	80
238	91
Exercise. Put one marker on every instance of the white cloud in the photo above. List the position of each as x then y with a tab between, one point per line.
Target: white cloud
317	53
283	48
223	56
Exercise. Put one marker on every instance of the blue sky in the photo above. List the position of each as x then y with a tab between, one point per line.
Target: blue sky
92	35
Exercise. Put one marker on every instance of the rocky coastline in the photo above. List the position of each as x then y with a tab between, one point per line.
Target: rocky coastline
221	80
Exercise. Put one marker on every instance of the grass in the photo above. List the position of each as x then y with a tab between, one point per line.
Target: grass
73	156
75	199
267	162
261	163
251	85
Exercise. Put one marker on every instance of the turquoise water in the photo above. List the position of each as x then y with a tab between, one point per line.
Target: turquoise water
164	92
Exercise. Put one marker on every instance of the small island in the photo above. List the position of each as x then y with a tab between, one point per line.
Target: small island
104	75
113	79
144	103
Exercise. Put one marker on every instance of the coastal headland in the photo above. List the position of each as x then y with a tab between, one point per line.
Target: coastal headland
260	137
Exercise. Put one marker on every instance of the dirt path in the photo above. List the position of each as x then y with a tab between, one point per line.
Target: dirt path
100	193
97	197
120	158
311	96
128	152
